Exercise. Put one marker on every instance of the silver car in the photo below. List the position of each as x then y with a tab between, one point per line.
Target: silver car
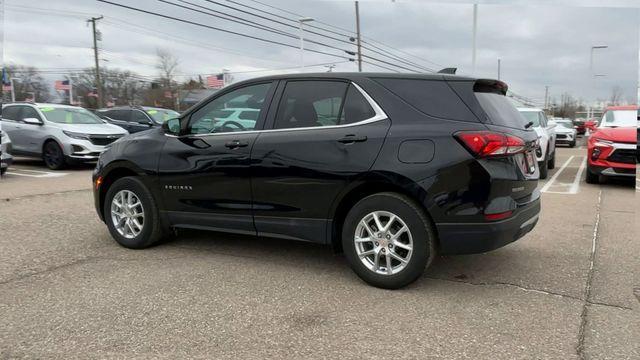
59	134
5	151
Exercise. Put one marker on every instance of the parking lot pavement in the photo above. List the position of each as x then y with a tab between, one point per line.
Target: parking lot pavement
68	291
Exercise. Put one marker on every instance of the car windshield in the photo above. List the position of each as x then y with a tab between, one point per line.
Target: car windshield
531	116
162	115
567	124
69	115
620	118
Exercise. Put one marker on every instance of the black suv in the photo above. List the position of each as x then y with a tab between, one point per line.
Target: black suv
389	169
136	118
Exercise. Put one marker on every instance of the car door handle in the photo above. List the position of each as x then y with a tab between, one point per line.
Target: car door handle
350	139
234	144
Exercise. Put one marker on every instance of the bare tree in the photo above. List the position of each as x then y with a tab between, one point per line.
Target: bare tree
616	95
28	83
167	65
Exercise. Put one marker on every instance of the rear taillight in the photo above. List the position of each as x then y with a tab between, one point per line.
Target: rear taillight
489	143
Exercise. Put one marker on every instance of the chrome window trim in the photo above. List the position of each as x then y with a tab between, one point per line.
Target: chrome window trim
379	115
625	146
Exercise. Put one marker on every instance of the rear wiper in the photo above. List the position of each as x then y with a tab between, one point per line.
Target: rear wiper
528	125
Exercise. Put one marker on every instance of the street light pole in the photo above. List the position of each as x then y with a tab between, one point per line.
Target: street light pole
300	22
592	76
474	33
498	68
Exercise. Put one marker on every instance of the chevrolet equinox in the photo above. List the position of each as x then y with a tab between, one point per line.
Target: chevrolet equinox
389	169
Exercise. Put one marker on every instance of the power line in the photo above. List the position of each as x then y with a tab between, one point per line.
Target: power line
218	29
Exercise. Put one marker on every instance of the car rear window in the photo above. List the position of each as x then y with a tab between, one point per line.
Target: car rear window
500	110
432	97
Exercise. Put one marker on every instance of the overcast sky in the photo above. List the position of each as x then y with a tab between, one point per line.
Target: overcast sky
538	44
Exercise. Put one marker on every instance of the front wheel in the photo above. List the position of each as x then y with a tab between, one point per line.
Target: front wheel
388	240
53	156
131	214
551	164
592	178
572	144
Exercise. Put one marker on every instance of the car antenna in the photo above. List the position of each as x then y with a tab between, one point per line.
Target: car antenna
528	125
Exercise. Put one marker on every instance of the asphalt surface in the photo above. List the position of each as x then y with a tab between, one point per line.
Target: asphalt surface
67	290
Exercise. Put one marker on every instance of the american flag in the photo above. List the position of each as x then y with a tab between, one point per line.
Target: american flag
62	85
215	81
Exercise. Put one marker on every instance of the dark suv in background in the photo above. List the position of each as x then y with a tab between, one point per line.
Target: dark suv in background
390	169
136	118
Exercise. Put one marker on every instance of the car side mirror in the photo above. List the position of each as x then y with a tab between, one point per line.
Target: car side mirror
32	121
171	126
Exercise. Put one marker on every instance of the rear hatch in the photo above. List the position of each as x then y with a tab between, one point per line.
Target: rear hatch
519	172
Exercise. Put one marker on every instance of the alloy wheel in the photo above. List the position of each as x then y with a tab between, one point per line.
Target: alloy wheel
383	242
127	214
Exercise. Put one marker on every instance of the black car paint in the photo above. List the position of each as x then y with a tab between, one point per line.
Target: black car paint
294	183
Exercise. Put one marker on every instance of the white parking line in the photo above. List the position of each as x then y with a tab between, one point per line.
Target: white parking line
575	186
35	173
555	176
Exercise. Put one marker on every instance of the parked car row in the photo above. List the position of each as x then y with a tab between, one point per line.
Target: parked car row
59	134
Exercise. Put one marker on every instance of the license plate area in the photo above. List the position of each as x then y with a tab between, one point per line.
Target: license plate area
529	164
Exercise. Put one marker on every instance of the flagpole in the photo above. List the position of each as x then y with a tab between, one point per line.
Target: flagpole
13	91
70	92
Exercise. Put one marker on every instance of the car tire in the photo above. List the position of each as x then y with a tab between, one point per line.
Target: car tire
53	156
572	144
416	245
544	169
129	233
551	164
592	178
2	171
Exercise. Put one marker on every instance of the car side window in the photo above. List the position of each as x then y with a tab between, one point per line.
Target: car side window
310	104
10	113
29	112
122	115
356	107
543	119
222	114
139	117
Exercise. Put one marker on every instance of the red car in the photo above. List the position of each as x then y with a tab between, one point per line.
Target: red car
590	125
613	147
578	124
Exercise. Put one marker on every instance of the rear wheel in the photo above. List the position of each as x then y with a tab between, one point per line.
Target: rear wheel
53	156
388	240
131	214
551	164
592	178
544	170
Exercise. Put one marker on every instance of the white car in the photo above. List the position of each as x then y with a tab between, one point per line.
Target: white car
5	151
59	134
566	132
546	151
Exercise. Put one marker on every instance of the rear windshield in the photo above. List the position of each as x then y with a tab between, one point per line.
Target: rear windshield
500	110
531	116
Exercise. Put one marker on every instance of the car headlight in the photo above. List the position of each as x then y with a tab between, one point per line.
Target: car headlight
601	142
76	135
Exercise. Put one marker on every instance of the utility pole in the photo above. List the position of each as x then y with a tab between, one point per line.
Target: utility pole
498	68
546	97
359	52
95	54
473	39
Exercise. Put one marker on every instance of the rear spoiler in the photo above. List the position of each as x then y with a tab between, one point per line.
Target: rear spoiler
490	86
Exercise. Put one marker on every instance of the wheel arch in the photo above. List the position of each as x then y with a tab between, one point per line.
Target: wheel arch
115	171
368	185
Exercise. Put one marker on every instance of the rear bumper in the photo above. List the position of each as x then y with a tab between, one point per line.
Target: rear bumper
473	238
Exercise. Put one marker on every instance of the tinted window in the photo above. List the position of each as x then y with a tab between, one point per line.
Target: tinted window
310	104
500	110
29	112
10	112
356	107
432	97
219	114
122	115
139	117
